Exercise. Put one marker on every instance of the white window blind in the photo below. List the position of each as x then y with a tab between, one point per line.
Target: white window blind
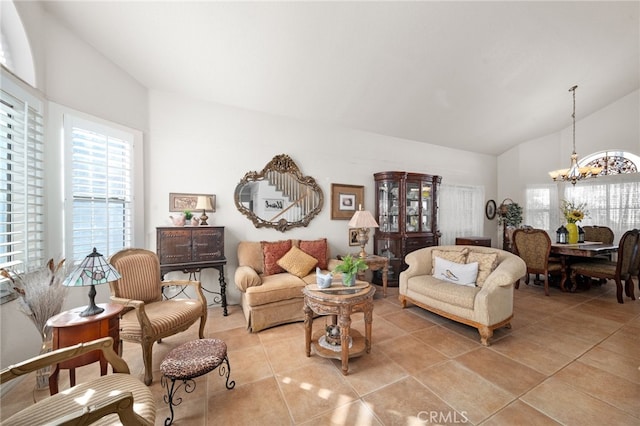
21	177
99	188
460	212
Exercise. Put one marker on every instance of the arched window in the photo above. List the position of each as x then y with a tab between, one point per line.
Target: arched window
16	49
612	162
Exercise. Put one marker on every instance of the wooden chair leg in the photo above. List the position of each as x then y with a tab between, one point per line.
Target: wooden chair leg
619	290
147	359
546	284
203	322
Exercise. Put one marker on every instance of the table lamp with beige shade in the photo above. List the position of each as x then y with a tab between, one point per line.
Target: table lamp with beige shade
206	203
363	220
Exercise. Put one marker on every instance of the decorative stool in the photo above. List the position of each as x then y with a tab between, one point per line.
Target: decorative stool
191	360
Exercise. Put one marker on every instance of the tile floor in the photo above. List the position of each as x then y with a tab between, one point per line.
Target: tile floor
569	359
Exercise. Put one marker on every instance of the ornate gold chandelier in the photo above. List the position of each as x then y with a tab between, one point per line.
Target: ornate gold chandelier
574	173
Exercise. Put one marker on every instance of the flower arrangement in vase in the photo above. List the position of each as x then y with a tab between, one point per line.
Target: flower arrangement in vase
573	213
349	268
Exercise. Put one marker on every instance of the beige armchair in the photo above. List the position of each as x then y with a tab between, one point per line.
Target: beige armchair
116	398
149	318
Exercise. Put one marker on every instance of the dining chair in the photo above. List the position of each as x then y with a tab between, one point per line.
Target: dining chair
533	246
622	269
149	317
602	234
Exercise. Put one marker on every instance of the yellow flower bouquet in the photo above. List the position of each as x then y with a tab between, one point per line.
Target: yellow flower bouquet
574	212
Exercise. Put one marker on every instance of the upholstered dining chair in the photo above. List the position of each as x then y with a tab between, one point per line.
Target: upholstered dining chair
601	234
621	270
149	317
534	246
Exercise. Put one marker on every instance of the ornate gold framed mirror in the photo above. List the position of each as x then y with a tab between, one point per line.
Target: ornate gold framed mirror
279	196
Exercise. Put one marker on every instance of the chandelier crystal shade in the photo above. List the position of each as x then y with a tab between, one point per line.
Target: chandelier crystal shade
574	173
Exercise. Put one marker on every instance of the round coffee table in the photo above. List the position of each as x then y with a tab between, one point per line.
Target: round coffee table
339	302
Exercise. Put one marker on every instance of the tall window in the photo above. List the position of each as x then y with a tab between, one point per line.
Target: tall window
99	188
461	211
21	177
541	207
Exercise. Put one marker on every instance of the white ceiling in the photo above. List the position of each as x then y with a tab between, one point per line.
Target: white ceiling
479	76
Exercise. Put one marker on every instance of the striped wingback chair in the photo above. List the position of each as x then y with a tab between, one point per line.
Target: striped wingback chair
148	317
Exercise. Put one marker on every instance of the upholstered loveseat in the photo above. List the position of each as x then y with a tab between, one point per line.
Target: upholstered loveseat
485	305
272	294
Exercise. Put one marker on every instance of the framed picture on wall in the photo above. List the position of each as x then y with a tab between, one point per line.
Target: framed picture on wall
353	237
345	200
179	202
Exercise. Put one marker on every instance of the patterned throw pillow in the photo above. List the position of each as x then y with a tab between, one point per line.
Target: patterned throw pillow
457	256
457	273
317	249
297	262
272	252
487	262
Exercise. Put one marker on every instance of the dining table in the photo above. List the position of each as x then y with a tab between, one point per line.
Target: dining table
587	249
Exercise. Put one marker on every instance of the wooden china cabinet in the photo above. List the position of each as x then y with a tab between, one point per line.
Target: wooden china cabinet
406	211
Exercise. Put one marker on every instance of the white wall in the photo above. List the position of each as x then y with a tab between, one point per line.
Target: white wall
198	147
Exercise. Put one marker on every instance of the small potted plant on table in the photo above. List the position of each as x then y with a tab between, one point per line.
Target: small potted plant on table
349	268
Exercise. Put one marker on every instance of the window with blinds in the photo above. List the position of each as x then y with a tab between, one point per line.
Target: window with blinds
99	188
21	180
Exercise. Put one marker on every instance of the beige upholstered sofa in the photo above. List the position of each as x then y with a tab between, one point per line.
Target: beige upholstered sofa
271	295
488	305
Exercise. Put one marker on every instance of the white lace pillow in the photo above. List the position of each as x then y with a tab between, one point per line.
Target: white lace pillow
457	273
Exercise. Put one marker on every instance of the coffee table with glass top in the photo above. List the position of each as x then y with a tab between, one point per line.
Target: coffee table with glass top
339	302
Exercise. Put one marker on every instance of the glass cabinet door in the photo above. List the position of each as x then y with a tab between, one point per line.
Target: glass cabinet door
426	204
389	208
412	210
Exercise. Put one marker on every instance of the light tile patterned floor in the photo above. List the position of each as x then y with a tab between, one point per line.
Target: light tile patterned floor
569	359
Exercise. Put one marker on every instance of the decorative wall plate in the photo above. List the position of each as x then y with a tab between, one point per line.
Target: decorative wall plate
490	209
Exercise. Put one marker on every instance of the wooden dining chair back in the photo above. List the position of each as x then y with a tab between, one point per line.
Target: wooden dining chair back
621	270
149	317
533	246
602	234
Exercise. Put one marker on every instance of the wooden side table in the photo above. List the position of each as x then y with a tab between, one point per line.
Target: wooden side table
69	328
340	305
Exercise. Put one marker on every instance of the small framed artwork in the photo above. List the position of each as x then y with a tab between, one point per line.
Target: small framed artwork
490	209
345	200
273	204
353	237
180	202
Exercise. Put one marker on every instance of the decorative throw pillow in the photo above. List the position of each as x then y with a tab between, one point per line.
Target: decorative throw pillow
317	249
457	273
297	262
457	256
487	262
272	252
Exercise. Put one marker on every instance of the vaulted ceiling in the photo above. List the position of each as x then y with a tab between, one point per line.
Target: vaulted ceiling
478	76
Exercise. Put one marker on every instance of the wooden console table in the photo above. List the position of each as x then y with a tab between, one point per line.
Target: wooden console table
191	249
69	328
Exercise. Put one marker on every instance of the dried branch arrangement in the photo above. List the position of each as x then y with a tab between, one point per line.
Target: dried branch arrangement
41	293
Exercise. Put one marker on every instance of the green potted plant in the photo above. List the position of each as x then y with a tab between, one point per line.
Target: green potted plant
510	214
349	268
187	216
